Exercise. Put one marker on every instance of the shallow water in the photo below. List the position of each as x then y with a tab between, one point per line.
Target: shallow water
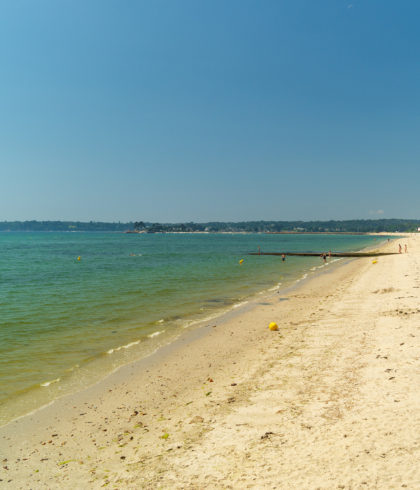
65	323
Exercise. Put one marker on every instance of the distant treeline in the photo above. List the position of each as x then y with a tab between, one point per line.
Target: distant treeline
63	226
348	226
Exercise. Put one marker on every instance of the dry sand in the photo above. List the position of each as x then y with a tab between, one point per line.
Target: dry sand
332	400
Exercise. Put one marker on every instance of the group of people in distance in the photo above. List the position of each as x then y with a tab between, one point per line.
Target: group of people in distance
400	248
323	256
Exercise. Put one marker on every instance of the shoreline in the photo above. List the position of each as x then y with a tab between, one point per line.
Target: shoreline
70	382
167	406
219	316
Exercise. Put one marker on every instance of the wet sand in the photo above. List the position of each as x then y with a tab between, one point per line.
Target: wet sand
329	401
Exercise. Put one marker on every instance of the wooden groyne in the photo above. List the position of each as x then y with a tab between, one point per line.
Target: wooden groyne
332	254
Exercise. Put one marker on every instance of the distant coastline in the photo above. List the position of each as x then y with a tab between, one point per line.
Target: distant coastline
271	227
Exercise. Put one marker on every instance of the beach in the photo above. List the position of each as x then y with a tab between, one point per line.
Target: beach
126	297
328	401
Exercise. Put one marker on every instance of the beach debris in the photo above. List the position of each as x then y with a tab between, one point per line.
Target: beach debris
196	420
273	326
66	462
164	436
241	261
79	258
374	261
267	435
208	393
210	380
383	291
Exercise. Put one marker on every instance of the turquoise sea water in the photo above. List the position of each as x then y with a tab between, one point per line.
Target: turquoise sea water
65	323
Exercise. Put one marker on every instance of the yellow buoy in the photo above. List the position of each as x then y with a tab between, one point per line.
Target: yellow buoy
79	258
241	261
273	326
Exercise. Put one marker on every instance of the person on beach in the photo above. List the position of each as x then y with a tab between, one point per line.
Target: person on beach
329	253
399	248
283	257
324	257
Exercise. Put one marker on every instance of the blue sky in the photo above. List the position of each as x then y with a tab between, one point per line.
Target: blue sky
209	110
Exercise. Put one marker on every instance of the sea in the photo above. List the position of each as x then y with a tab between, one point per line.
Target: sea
76	306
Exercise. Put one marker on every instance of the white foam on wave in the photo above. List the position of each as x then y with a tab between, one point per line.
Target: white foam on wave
189	323
127	346
237	305
155	334
131	344
48	383
161	321
302	278
76	366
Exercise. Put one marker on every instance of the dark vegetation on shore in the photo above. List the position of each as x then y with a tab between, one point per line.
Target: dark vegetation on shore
63	226
347	226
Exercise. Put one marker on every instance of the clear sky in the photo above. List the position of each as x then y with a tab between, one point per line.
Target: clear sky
200	110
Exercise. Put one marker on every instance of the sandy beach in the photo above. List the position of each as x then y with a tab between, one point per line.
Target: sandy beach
331	400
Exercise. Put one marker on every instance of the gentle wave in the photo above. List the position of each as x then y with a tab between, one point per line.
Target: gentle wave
76	308
127	346
48	383
237	305
302	278
76	366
